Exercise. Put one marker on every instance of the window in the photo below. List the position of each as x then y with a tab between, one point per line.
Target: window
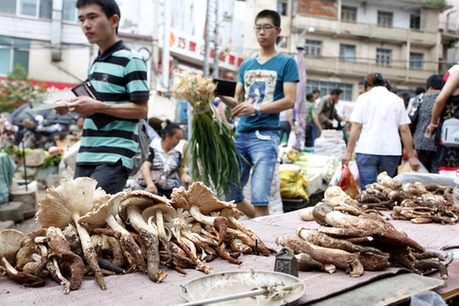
415	22
416	60
13	51
385	19
313	47
282	7
36	8
347	52
327	87
348	13
8	7
70	12
383	56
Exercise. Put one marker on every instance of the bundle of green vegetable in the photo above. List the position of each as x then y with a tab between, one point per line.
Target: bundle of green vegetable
214	159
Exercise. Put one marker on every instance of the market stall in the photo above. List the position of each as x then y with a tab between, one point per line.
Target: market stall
138	289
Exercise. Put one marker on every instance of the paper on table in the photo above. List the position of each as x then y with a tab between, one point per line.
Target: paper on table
48	106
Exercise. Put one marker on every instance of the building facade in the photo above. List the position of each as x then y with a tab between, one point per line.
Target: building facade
343	40
346	39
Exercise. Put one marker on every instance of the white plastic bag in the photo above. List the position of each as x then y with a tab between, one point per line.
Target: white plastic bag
291	139
428	298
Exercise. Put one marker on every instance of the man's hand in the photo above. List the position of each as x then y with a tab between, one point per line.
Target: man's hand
243	109
346	158
85	106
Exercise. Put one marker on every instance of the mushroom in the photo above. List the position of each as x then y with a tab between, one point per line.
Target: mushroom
64	205
10	243
131	212
60	246
105	214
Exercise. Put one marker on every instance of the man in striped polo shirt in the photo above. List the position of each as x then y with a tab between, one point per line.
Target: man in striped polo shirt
119	75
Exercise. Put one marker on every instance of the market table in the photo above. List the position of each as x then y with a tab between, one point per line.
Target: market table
137	289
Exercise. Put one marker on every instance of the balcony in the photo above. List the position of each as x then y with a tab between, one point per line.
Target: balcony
337	29
397	72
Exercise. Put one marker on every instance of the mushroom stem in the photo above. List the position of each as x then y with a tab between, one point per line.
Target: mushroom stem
56	274
149	237
89	252
127	241
28	280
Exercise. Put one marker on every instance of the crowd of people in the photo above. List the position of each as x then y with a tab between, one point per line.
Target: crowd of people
262	107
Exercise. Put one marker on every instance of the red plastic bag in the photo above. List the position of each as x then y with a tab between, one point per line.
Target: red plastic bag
347	182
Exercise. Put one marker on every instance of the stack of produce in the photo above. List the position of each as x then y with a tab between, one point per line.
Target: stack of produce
416	202
122	233
353	240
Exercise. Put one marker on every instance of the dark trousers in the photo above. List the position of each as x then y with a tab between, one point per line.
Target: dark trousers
110	177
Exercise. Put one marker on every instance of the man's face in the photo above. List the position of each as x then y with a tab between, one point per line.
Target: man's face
266	32
361	89
335	97
95	24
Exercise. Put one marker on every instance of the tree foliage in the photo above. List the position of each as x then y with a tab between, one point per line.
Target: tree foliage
18	89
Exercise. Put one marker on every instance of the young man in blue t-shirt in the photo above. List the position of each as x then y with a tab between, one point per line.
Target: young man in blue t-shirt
119	75
266	86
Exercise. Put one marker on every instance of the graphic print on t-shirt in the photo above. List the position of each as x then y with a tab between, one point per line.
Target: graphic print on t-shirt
260	86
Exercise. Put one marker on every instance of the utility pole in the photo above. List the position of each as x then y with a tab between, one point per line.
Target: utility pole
216	38
206	42
155	47
166	41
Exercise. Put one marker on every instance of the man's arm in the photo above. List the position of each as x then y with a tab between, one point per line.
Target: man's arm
288	101
321	110
315	118
87	106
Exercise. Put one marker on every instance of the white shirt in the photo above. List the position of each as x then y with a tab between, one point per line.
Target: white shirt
381	114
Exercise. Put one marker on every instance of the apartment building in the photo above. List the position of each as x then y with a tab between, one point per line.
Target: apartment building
344	40
44	37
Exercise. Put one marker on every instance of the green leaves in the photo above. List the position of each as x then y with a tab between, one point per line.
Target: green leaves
214	159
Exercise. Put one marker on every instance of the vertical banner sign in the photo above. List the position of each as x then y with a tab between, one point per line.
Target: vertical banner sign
300	104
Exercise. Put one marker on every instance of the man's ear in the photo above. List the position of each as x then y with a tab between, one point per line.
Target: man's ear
115	19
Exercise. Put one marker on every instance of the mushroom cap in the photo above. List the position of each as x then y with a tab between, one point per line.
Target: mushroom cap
151	211
202	196
179	198
228	211
70	197
10	243
96	217
142	199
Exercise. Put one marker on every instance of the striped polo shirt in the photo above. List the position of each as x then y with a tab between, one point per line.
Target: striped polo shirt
119	75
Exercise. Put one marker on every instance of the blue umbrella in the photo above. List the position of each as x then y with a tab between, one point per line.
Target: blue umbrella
300	104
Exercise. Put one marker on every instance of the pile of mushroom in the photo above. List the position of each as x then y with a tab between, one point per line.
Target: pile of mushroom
88	232
355	240
416	202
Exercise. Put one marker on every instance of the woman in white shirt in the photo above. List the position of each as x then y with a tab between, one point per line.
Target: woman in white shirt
379	120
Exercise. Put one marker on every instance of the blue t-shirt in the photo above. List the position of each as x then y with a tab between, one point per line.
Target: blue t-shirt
263	83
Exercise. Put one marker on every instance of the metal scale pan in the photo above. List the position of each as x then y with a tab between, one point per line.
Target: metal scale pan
280	288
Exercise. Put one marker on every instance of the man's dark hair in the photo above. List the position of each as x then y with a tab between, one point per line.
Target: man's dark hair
336	91
309	96
109	7
362	82
420	90
270	14
435	81
315	90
